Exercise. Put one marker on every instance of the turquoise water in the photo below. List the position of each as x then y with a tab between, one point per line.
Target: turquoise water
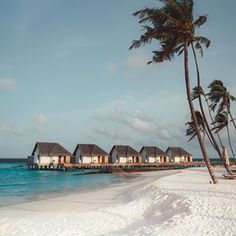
18	184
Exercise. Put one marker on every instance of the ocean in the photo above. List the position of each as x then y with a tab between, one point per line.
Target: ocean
18	184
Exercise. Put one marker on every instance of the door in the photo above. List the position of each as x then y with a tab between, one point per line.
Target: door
164	159
99	159
59	159
137	159
103	159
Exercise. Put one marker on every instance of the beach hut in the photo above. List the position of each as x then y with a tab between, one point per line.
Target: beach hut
49	153
124	154
90	153
152	154
178	154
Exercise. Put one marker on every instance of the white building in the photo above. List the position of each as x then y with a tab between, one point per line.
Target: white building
90	153
49	153
178	154
124	154
152	154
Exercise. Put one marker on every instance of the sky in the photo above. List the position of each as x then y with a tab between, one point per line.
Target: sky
67	76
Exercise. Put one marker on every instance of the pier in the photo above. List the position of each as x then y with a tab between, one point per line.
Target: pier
110	167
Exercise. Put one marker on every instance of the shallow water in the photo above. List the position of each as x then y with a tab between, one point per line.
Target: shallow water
18	184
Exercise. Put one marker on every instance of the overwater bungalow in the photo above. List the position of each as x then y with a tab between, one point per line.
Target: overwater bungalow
178	154
124	154
90	153
49	153
152	154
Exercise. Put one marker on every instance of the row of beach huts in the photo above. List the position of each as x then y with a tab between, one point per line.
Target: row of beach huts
54	153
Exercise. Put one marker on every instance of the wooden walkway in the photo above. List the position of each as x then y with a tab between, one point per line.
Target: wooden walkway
113	166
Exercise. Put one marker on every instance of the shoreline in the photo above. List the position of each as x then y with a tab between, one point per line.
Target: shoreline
19	200
113	189
175	202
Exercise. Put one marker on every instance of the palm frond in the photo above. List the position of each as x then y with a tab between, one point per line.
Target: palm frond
221	121
202	40
197	91
232	98
172	25
191	127
166	53
199	48
201	20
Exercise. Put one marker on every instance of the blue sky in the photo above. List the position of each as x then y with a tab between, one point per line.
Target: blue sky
66	75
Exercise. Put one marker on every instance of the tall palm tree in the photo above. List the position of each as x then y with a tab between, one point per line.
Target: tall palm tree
222	121
173	25
220	98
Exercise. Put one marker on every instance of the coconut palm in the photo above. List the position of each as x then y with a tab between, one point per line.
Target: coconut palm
196	94
222	121
198	91
173	25
220	98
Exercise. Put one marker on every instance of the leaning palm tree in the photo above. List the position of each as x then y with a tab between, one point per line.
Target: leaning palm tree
221	99
173	25
222	121
197	93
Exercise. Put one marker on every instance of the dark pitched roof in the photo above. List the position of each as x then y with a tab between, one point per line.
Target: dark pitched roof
90	150
178	151
51	149
125	150
153	151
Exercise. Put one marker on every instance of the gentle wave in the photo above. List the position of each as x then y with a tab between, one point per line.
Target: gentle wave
16	182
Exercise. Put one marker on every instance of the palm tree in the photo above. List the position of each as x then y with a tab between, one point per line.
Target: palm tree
222	121
198	91
173	25
220	98
196	94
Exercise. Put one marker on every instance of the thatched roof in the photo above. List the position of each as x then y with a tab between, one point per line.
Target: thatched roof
153	151
90	150
178	151
50	149
125	150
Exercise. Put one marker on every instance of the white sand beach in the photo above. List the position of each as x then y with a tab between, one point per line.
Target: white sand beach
179	202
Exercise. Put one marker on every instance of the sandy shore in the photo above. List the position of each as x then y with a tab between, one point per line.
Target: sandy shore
158	203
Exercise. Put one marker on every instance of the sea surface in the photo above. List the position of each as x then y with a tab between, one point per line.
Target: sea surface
18	184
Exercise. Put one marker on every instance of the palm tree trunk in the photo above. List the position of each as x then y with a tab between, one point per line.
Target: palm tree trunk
211	136
191	107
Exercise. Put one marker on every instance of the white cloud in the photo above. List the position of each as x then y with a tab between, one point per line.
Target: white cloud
111	135
141	123
7	84
39	118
